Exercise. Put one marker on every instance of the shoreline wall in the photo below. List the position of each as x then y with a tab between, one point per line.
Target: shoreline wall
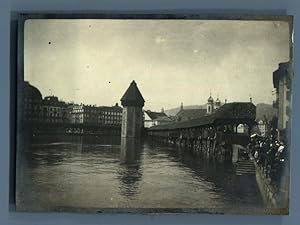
272	197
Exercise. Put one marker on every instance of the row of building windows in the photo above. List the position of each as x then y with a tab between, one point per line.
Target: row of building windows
30	106
101	112
99	117
37	114
81	120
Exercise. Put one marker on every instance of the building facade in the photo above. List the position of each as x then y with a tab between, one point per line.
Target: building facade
32	102
51	110
91	114
282	83
36	109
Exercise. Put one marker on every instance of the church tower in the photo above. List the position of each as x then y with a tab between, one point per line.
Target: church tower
210	105
217	103
132	117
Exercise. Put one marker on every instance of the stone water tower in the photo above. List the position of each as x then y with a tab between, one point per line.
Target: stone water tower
132	118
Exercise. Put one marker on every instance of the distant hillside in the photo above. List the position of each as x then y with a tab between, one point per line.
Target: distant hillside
265	109
174	111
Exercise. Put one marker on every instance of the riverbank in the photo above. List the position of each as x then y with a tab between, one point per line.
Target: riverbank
272	196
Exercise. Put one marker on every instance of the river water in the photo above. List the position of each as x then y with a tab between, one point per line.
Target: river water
89	176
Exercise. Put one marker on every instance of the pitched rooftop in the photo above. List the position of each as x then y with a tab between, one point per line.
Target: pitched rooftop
155	115
132	96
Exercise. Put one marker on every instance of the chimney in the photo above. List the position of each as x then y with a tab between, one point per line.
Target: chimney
181	106
162	110
225	100
251	99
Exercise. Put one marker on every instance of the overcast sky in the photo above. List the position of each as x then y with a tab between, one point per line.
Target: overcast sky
94	61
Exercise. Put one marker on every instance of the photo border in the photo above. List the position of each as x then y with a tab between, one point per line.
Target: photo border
16	81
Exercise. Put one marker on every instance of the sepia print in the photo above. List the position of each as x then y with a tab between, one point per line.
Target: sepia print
154	115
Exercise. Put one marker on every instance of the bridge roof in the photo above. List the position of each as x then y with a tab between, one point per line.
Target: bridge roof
186	114
230	112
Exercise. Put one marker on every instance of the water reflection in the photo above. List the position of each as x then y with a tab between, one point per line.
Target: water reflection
129	172
84	172
222	175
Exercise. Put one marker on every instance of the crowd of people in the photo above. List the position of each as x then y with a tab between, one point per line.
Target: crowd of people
270	156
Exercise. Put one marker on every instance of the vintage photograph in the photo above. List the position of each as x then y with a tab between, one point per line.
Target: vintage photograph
154	115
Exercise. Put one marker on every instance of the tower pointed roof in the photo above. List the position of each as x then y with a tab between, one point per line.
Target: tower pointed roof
132	96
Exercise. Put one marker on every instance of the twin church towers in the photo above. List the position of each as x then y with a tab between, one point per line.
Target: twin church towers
212	106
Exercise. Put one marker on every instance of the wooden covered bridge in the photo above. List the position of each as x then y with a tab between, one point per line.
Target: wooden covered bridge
213	135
